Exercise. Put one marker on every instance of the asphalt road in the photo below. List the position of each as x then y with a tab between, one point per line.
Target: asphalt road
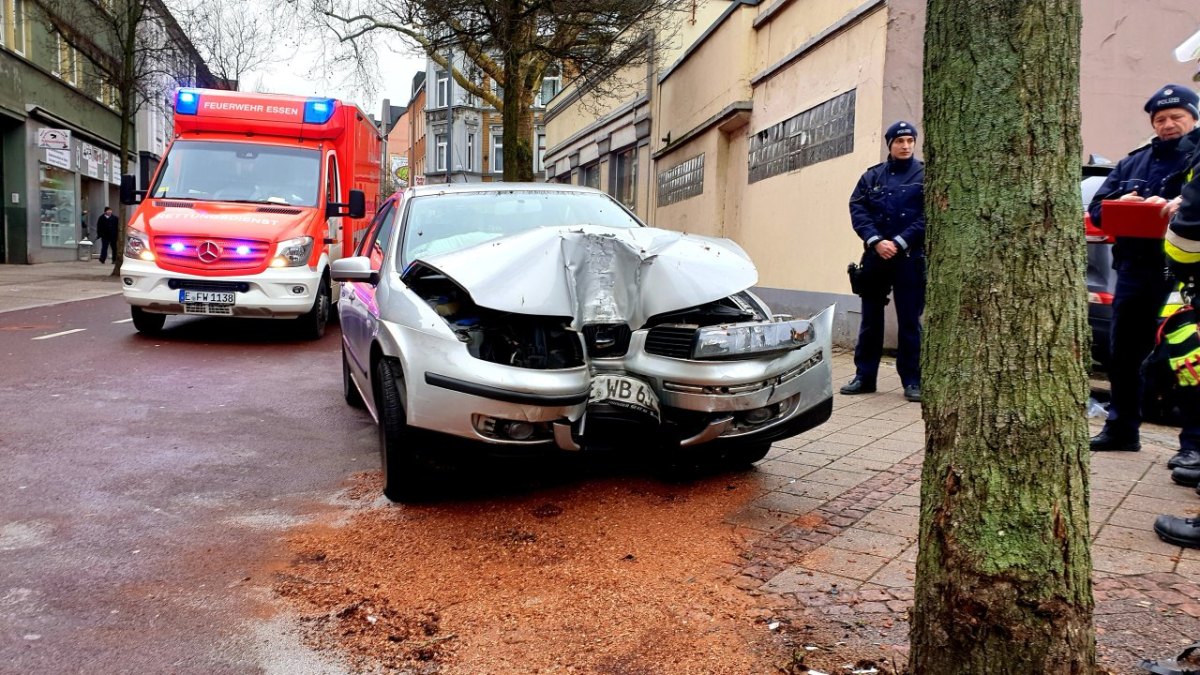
146	482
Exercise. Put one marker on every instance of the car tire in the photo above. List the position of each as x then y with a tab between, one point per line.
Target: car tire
404	473
313	322
349	390
147	323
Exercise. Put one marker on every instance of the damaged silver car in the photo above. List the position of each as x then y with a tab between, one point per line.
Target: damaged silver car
538	316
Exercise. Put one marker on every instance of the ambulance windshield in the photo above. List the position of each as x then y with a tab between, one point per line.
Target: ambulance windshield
240	172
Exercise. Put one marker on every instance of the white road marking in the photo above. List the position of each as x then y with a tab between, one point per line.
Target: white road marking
54	335
124	320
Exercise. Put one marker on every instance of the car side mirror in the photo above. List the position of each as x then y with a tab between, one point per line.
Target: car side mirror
354	268
355	208
130	195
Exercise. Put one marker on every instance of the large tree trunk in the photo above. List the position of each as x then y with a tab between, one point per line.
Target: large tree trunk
518	122
1003	575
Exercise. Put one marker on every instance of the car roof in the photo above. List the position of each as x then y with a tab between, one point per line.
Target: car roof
467	188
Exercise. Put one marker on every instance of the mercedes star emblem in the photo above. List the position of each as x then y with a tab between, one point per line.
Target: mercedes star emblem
208	252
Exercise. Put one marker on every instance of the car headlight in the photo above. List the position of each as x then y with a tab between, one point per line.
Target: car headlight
742	340
292	252
137	245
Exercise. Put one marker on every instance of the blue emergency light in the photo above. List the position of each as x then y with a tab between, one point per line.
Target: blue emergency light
187	102
318	110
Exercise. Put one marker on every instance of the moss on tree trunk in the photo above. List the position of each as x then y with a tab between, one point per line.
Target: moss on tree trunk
1003	575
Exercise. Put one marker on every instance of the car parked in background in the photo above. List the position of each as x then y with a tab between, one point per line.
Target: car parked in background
527	317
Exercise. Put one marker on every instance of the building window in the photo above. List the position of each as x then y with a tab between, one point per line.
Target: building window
623	185
498	90
68	62
470	151
498	153
16	28
443	89
681	181
591	175
551	84
439	143
539	157
822	132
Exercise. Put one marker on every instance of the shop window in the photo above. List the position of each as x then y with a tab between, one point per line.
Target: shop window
591	175
56	206
623	185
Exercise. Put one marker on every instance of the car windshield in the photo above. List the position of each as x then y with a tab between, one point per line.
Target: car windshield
442	223
240	172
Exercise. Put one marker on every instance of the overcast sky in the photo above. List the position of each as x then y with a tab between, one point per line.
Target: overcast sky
306	73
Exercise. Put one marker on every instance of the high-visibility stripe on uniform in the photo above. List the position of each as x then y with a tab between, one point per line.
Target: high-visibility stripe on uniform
1181	249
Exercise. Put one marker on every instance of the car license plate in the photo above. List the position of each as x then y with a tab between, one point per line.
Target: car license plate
207	297
624	392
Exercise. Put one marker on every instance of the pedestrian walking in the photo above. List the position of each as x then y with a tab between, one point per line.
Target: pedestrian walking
1154	170
1182	248
106	229
887	211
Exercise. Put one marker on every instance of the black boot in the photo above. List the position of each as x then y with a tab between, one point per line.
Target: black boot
857	386
1185	458
912	392
1106	440
1183	532
1186	475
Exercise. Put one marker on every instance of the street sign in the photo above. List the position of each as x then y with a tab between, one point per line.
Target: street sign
54	139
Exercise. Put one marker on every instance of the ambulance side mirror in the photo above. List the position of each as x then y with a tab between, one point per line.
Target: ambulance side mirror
129	193
355	208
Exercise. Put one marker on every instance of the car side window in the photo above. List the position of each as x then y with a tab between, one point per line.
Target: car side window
374	245
367	234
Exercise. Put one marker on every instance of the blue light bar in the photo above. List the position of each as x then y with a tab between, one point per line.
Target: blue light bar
318	110
187	102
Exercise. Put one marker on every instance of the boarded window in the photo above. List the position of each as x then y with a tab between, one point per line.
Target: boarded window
681	181
822	132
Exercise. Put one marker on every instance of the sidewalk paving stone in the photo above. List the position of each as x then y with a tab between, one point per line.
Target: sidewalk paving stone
850	557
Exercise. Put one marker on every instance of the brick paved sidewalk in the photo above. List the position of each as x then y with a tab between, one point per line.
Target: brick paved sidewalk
835	531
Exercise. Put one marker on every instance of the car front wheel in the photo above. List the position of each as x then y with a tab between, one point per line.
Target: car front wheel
403	471
313	322
145	322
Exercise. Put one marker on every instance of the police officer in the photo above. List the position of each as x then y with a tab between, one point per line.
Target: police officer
887	211
1183	256
1153	170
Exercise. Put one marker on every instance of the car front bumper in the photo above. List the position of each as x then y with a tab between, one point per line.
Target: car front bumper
286	292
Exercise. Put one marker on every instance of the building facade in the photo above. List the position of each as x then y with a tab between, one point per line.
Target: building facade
465	142
60	131
760	126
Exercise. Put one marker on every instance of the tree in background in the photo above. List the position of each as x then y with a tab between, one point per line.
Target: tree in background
512	43
1004	572
236	38
136	49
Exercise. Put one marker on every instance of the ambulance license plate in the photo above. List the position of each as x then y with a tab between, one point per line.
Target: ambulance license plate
624	392
207	297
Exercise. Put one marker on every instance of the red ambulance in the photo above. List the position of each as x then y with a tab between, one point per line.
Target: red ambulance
256	195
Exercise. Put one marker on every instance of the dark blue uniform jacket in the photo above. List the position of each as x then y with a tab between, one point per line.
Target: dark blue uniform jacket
1152	170
889	203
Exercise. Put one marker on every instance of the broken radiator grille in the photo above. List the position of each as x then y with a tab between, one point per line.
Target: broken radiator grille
672	341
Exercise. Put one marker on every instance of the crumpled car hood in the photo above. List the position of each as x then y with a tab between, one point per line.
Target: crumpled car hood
598	274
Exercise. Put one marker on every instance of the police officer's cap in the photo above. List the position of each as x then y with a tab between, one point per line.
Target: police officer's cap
1174	96
897	130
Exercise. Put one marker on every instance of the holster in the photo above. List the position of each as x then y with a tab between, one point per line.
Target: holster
865	280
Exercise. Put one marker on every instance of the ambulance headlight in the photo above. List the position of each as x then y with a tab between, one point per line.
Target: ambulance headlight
137	245
293	252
